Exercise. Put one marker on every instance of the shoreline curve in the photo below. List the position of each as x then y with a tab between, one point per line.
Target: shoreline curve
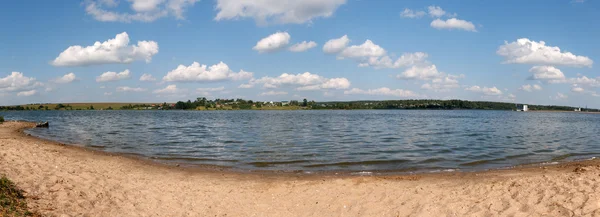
62	179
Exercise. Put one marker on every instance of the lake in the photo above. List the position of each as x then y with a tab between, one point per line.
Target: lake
314	141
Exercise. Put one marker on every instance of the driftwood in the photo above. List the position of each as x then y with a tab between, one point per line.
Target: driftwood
44	124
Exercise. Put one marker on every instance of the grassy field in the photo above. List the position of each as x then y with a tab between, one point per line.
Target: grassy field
12	201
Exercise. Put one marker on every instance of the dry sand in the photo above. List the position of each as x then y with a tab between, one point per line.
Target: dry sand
68	181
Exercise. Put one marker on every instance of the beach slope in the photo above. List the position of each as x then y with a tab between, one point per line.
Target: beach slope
61	180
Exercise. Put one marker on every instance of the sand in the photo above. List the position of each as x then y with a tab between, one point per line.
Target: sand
63	180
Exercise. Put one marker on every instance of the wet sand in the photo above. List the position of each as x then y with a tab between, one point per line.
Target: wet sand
63	180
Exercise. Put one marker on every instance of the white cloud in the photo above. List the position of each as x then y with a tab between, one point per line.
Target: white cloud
113	76
530	88
147	77
577	89
305	81
443	84
171	89
273	93
546	73
407	59
584	81
65	79
408	13
580	90
272	43
144	10
130	89
525	51
16	81
277	11
420	73
367	49
336	45
115	50
302	46
371	54
453	23
384	91
436	11
202	73
27	93
108	93
485	90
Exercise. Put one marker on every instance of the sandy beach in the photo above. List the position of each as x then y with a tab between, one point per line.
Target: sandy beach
61	180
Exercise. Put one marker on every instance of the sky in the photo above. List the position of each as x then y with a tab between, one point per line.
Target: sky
533	52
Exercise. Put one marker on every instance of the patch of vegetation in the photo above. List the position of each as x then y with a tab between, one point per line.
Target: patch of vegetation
1	119
12	201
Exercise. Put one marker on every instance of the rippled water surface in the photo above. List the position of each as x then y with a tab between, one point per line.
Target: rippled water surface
360	140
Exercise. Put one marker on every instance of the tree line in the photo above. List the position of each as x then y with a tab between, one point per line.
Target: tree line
202	103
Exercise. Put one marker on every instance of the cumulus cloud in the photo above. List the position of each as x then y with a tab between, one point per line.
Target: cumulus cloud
16	81
384	91
65	79
420	73
530	88
108	93
272	43
453	23
408	13
112	51
113	76
407	59
525	51
130	89
202	73
277	11
546	73
171	89
336	45
584	80
304	81
302	46
147	77
443	84
367	49
485	90
143	10
27	93
273	93
436	11
370	54
577	89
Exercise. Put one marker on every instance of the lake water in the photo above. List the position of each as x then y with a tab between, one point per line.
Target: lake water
356	140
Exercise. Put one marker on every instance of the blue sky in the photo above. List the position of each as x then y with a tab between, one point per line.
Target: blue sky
537	52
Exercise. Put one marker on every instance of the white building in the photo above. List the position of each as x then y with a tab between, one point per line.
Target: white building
525	108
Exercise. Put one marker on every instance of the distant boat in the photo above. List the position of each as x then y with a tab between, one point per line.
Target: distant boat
44	124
